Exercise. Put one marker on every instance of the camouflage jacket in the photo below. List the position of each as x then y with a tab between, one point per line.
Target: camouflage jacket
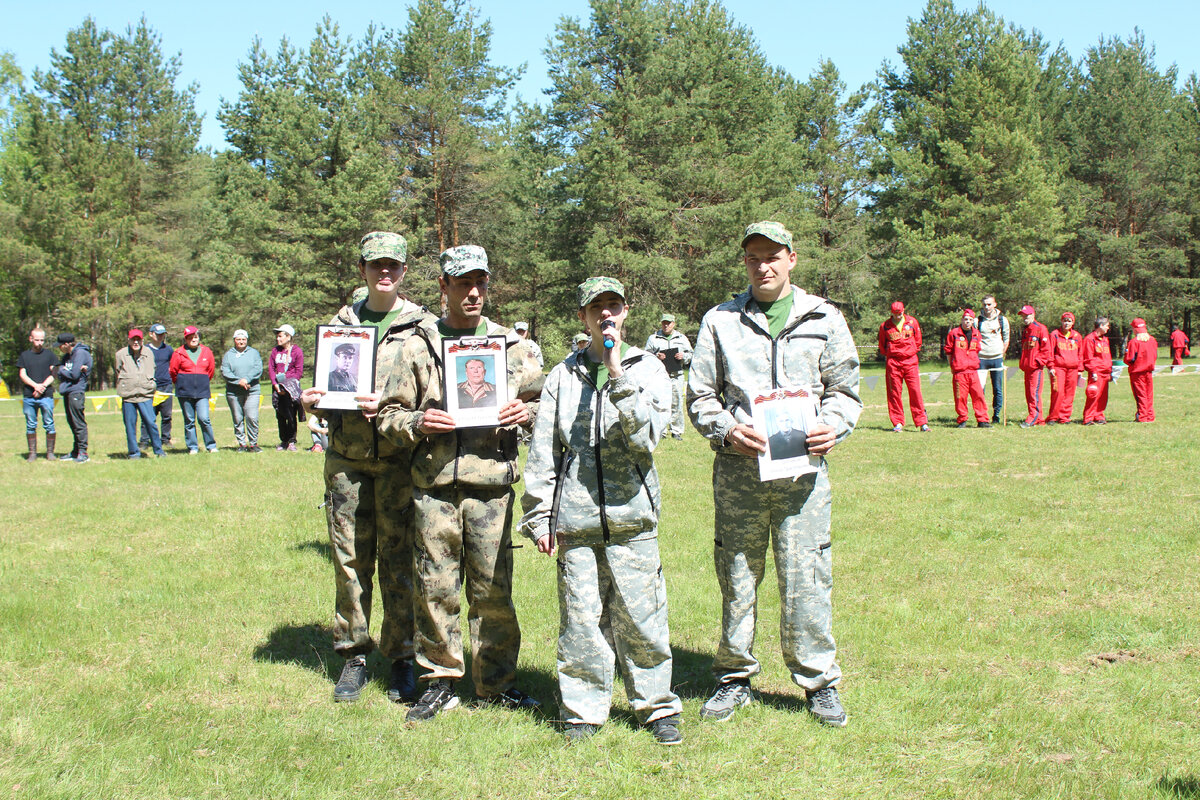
590	473
657	343
736	359
468	456
350	433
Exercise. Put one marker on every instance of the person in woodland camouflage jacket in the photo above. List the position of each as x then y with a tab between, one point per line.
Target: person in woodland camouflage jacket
368	488
462	496
592	494
769	337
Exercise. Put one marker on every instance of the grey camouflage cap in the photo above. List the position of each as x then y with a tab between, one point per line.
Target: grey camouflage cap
383	244
592	288
580	338
770	230
463	259
667	318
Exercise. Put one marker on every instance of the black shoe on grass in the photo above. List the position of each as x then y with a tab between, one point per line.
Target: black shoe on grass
402	685
352	680
665	730
439	696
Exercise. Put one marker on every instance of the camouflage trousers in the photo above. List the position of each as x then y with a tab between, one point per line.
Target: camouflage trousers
612	606
678	403
369	510
793	516
464	536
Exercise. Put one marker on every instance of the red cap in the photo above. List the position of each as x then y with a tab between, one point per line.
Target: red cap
1139	324
897	307
1068	315
136	334
1027	310
968	313
189	330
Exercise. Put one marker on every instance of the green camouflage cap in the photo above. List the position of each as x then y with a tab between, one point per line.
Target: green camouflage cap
771	230
592	288
382	244
667	318
582	337
465	258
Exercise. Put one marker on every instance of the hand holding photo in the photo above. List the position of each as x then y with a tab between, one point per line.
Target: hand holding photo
476	378
345	365
786	416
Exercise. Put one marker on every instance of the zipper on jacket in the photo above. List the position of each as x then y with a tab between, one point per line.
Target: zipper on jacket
599	462
563	468
775	342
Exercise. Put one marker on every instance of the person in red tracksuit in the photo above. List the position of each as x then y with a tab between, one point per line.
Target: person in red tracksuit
1035	356
900	345
1097	360
962	346
1179	345
1140	355
1065	344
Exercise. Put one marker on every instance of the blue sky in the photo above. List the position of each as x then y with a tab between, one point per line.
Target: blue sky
213	37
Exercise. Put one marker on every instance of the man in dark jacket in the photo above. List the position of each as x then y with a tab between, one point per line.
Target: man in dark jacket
164	389
73	372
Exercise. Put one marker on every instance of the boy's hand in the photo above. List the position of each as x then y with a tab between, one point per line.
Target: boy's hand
545	544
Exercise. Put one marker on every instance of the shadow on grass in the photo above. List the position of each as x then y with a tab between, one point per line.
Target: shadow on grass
1186	786
319	546
309	646
693	680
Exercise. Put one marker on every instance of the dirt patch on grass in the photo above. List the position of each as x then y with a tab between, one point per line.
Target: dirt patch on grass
1114	657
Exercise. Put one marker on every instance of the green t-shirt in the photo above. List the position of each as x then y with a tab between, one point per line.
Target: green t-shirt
597	370
453	333
382	320
777	313
194	355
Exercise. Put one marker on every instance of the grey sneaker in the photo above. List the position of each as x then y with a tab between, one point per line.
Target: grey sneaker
438	697
351	681
579	731
825	706
665	730
728	698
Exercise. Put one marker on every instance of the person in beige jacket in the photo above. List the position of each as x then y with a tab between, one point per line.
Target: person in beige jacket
135	386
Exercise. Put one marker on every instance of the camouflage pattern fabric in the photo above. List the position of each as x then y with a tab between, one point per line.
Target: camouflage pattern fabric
657	343
625	583
463	536
369	511
793	517
771	230
592	288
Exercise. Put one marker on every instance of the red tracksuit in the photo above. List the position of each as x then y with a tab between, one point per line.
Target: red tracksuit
1064	373
1140	358
1179	347
963	349
1097	360
900	348
1035	356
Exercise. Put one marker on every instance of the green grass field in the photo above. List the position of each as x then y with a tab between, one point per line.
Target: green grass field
1017	612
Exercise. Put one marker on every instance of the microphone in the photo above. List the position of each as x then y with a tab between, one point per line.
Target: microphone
604	331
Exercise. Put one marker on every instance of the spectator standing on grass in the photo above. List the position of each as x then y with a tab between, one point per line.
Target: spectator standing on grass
1179	345
1097	360
1140	356
773	335
1035	356
74	369
462	495
994	331
522	330
1065	347
192	369
135	386
675	352
592	494
242	369
163	387
962	348
368	485
35	368
900	346
285	366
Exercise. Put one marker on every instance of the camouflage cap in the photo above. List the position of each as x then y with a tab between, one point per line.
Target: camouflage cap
592	288
667	318
463	259
382	244
770	230
580	338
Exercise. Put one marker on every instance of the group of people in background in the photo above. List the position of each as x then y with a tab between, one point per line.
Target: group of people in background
978	344
150	376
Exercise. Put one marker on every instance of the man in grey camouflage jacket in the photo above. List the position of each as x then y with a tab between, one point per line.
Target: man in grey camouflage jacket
675	352
773	336
462	496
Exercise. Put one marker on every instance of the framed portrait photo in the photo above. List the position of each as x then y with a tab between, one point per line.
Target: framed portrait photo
476	379
785	417
345	364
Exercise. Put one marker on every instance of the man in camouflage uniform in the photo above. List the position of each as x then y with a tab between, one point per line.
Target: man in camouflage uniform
602	413
462	496
773	336
664	339
368	488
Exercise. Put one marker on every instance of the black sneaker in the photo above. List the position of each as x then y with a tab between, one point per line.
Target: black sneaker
728	698
985	424
961	425
402	686
825	706
665	730
352	680
512	699
438	697
579	731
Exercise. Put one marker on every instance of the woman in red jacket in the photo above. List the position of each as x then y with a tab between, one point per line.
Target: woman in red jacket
962	346
1097	360
1140	355
192	368
1065	346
